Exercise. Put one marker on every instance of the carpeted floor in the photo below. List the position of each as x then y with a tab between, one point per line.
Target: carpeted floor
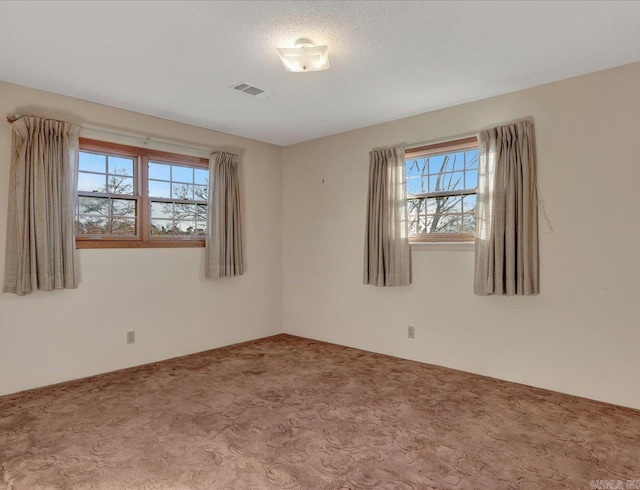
286	412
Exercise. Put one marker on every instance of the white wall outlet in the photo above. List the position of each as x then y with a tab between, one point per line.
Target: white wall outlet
131	337
412	332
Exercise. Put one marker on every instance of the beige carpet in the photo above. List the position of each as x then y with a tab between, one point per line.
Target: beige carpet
285	412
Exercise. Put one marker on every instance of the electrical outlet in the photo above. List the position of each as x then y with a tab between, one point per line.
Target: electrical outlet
131	337
412	332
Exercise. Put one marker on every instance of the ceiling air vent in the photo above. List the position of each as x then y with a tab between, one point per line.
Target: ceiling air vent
250	90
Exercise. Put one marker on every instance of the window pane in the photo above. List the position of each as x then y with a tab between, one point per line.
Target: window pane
469	221
457	161
201	176
450	204
93	205
160	227
159	171
416	167
472	160
182	174
201	228
436	164
123	207
431	205
471	179
469	203
91	182
120	166
414	186
201	212
92	162
120	185
89	225
200	193
415	206
448	224
454	181
184	211
159	189
182	191
186	227
123	226
161	210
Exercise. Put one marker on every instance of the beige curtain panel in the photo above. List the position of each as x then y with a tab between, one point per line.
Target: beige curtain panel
42	195
387	257
506	252
224	255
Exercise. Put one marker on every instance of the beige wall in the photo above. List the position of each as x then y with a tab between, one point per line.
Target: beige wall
161	293
580	336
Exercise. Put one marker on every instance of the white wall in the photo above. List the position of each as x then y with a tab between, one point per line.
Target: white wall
161	293
580	336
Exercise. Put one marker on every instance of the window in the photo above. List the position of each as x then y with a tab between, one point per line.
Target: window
135	197
442	181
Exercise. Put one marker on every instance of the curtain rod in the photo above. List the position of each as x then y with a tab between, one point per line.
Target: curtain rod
144	139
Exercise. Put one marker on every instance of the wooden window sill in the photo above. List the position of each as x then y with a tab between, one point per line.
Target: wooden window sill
443	246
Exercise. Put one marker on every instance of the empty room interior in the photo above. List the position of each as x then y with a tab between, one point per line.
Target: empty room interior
320	245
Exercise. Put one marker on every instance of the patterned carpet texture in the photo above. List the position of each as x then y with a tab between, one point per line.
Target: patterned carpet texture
286	412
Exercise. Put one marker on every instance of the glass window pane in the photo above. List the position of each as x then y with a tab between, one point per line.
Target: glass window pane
472	159
161	210
436	164
184	211
469	203
449	223
92	182
416	167
471	179
414	186
182	174
429	225
92	162
469	221
432	205
201	228
123	226
201	176
450	204
201	212
120	166
416	206
200	193
457	161
161	227
89	225
182	191
159	171
159	189
93	205
120	185
185	227
454	181
123	207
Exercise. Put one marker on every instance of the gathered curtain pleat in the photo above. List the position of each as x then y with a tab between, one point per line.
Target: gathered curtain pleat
506	249
387	257
224	253
40	250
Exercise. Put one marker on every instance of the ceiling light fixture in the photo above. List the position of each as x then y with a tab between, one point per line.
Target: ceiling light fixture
305	57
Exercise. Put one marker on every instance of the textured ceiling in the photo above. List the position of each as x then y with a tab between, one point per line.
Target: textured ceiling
176	60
